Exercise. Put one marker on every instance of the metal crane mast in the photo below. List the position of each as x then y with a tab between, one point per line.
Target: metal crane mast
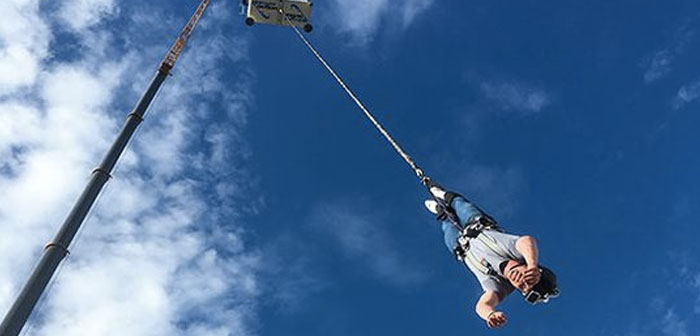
172	56
57	249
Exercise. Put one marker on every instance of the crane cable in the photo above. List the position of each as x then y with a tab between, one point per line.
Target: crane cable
419	172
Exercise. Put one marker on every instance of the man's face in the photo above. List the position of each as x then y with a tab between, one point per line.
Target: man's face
515	273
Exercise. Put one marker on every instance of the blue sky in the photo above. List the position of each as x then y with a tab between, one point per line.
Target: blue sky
256	199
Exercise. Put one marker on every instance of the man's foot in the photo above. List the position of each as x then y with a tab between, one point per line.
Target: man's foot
438	192
432	206
434	188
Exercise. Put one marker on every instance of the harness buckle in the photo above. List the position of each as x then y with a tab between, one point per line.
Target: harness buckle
472	230
460	251
478	224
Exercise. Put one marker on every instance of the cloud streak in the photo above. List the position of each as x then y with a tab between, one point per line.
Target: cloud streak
293	266
360	237
696	288
673	325
362	19
661	63
496	189
686	94
510	95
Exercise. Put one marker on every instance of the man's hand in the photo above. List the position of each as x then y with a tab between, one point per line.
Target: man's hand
516	275
496	319
486	309
531	275
524	277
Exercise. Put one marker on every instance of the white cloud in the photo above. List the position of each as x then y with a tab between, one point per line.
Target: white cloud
24	42
363	18
361	238
160	253
82	14
686	94
510	95
360	18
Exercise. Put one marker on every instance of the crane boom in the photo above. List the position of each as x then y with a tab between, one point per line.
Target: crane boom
57	249
174	53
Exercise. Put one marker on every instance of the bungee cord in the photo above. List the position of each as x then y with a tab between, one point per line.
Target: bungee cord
419	172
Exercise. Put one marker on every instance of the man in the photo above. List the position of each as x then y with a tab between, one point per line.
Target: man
501	262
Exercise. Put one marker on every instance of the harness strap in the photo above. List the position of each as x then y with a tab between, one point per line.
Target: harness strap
465	254
484	268
447	212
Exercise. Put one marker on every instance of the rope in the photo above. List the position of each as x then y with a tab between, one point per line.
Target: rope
380	128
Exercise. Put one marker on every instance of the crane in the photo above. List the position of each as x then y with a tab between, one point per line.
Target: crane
57	249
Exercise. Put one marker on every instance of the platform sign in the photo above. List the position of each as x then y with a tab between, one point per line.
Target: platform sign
267	11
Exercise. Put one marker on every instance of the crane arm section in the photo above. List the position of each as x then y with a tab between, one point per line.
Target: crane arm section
172	56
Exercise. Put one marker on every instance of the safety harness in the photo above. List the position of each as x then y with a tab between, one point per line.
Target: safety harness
473	230
477	230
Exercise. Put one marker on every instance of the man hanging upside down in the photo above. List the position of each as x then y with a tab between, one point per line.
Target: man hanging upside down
501	262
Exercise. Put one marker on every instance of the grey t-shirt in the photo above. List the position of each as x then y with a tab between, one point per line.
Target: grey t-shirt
481	252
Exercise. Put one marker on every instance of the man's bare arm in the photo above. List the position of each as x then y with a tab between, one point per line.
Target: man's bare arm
527	246
486	309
